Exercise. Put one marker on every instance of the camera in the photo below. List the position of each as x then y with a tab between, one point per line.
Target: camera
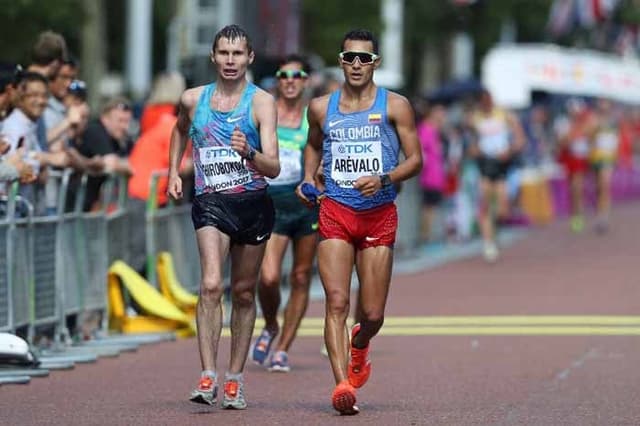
78	88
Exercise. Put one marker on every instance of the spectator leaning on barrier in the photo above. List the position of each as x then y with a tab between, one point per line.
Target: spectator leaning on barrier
107	137
48	54
12	166
20	128
61	122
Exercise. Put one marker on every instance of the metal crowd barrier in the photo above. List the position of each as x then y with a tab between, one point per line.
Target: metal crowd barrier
169	228
15	265
55	266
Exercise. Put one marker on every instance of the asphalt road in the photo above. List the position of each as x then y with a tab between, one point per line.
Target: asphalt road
550	335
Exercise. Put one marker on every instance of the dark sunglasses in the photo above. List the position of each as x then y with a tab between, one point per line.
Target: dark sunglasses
296	74
365	58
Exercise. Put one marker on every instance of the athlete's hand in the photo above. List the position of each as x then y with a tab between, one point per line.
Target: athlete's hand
174	188
307	202
368	185
239	142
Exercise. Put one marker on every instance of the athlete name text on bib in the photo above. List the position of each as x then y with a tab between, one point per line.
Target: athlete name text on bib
223	168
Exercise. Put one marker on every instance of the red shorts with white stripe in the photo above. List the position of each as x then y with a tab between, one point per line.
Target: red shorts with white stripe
361	228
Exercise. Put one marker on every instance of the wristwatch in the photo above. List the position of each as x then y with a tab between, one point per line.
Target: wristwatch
251	154
385	180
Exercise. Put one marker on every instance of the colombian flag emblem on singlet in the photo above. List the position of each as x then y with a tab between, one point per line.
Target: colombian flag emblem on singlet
375	118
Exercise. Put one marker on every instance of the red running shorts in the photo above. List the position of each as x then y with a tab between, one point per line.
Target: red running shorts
361	228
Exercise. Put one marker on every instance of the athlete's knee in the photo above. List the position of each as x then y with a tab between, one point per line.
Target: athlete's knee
269	280
243	296
373	316
211	288
300	276
337	302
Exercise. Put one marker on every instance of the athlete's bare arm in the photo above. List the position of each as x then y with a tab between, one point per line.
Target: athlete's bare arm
401	115
179	137
264	111
516	132
313	150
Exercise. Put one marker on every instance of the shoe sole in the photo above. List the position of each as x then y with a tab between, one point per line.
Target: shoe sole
201	399
344	402
279	369
232	406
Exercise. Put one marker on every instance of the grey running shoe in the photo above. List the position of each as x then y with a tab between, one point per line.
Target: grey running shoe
491	252
234	395
280	362
206	392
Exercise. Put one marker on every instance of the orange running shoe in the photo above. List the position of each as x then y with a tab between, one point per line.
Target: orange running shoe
359	367
344	399
206	392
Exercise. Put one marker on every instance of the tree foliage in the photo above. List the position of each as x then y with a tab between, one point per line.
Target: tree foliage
427	23
22	20
325	23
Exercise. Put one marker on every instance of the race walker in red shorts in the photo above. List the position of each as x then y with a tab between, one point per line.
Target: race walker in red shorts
357	132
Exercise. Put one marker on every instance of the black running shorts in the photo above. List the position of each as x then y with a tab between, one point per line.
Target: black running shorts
493	169
246	217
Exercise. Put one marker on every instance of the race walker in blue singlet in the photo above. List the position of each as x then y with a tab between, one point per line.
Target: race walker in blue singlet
218	168
230	194
358	144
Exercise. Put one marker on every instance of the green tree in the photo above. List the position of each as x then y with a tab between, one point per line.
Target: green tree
22	20
325	23
432	23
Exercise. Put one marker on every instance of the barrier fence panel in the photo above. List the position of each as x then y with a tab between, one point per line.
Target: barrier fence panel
16	266
169	228
20	264
91	239
6	319
68	287
18	261
117	220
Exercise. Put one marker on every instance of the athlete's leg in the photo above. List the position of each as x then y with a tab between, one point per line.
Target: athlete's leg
485	218
214	247
335	264
269	283
427	219
304	250
374	265
502	198
605	176
577	193
245	264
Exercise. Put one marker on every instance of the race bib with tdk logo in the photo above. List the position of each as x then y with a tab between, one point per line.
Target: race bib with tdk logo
223	168
351	160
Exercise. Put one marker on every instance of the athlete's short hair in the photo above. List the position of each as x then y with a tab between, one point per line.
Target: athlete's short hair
363	35
49	47
294	57
232	32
